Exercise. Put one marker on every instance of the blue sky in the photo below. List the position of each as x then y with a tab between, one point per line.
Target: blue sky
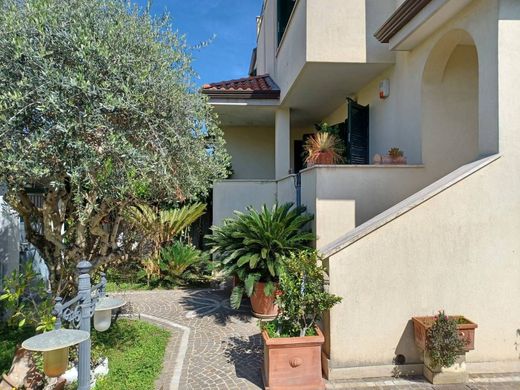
232	22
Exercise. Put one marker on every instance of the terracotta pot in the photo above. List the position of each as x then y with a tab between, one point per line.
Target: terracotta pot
422	324
293	362
264	307
400	160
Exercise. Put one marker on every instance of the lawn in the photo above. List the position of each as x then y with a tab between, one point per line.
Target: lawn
135	351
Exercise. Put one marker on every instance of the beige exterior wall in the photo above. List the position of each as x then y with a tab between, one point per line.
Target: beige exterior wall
347	34
252	152
235	195
373	188
346	37
457	251
445	254
448	120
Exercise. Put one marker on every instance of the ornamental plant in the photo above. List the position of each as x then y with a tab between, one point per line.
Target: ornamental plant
98	112
323	148
302	298
252	245
443	341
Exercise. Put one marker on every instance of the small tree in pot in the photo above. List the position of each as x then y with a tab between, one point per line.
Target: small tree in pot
293	340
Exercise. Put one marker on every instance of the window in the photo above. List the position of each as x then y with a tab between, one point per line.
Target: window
285	8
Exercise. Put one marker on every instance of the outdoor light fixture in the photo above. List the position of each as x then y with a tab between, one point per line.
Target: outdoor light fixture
55	347
103	312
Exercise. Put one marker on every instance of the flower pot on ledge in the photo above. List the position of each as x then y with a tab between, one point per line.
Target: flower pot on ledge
293	362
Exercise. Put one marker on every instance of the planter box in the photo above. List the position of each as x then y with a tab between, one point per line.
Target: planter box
422	324
293	362
445	375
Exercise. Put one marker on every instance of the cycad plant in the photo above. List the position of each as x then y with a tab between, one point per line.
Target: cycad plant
176	259
159	228
252	245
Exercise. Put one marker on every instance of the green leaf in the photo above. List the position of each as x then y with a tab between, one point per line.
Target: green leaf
269	289
236	297
21	323
250	283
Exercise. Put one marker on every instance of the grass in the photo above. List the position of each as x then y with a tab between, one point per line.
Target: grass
9	339
135	352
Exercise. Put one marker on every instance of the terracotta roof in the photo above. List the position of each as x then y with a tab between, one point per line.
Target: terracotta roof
399	19
253	87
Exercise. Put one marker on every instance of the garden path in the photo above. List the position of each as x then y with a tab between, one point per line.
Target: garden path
214	347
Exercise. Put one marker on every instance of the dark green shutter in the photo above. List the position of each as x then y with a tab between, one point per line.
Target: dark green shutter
357	134
284	10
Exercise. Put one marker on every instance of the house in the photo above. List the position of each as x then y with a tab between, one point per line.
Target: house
443	231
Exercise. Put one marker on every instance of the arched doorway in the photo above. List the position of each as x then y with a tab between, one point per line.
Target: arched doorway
450	114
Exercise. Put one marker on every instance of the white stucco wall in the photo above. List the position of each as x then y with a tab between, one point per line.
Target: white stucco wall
252	152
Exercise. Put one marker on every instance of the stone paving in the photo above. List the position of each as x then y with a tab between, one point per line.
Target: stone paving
215	347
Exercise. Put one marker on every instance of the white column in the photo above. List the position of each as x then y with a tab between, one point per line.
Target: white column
282	143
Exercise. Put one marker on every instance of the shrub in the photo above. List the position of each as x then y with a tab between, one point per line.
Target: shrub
303	298
253	244
175	260
99	110
443	342
26	300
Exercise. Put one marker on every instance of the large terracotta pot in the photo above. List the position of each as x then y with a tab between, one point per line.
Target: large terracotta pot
293	362
264	307
325	158
422	324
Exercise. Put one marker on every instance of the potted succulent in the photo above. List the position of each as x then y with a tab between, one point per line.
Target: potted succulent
293	340
251	247
322	148
394	156
444	341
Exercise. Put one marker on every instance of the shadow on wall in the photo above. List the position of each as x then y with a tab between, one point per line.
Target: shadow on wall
406	351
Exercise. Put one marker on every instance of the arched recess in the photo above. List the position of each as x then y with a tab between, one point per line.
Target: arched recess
450	104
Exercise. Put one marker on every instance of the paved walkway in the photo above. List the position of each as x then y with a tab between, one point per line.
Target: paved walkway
214	347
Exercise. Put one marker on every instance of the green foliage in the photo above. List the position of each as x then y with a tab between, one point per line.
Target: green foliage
98	108
303	298
27	301
252	245
176	259
443	341
9	338
160	226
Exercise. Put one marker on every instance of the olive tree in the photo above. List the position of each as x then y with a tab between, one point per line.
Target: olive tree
99	111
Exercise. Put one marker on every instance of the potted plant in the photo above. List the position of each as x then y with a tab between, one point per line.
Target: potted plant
293	340
394	156
444	341
251	247
322	148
